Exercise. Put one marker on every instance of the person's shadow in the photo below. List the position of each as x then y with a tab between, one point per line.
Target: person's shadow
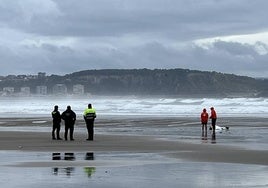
204	136
213	138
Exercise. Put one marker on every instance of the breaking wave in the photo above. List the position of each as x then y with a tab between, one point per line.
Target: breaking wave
154	106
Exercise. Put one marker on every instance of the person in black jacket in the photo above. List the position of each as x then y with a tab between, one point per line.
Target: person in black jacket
69	118
56	123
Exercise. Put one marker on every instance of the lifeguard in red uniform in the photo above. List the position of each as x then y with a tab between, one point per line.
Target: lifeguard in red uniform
213	117
204	120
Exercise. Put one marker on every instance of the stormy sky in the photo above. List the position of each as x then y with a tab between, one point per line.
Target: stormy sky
65	36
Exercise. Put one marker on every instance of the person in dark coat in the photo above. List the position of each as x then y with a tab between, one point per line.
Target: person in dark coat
69	118
56	123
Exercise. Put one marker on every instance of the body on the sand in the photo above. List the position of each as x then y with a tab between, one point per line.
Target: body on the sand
220	128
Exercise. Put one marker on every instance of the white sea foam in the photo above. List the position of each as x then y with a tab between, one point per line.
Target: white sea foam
31	106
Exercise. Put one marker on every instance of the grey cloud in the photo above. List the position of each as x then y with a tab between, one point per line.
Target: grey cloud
234	58
236	48
63	36
222	56
185	19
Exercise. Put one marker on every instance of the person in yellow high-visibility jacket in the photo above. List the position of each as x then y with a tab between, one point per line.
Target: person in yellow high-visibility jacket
89	117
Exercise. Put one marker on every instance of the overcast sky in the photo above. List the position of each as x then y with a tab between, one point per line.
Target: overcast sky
65	36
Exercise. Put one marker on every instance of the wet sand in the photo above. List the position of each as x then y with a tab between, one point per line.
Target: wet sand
35	141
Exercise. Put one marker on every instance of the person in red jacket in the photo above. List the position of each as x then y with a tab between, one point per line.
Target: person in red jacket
204	120
213	117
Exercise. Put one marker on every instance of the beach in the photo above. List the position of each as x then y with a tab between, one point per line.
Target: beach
134	144
40	141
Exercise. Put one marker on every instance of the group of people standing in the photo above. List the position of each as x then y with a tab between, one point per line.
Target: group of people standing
205	117
89	115
69	117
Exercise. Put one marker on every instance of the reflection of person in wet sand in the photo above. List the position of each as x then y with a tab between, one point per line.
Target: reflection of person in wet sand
67	171
89	171
213	138
204	135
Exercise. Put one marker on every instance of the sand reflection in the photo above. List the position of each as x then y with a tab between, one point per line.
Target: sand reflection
69	171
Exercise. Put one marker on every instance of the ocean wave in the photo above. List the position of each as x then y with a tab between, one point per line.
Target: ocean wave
136	106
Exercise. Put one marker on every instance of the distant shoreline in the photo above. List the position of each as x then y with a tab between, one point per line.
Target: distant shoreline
174	82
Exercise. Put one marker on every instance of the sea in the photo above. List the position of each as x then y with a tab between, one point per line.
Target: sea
134	106
246	118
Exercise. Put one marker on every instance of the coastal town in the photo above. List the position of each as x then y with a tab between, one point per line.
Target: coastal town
144	82
38	90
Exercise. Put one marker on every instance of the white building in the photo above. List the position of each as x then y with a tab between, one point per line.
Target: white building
59	89
8	90
25	91
78	89
41	90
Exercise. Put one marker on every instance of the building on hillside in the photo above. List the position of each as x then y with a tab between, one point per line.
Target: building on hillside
41	75
41	90
25	91
8	90
78	89
59	89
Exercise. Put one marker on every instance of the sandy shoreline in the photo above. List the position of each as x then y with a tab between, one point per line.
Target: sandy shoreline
42	142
